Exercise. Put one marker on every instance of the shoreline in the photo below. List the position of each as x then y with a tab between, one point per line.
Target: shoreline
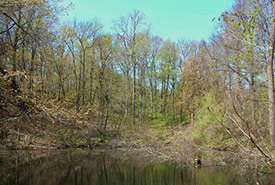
171	154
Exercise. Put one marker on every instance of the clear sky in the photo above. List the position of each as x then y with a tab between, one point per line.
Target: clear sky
170	19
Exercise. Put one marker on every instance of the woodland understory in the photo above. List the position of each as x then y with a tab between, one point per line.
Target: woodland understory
72	85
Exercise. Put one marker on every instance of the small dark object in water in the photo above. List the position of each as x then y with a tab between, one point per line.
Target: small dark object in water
198	162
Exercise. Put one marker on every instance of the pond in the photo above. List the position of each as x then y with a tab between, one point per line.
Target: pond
86	167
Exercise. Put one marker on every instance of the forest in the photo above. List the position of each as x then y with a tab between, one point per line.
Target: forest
71	84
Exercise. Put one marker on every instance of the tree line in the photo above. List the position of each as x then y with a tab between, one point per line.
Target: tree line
223	87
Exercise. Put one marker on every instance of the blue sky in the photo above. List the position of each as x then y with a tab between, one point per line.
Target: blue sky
170	19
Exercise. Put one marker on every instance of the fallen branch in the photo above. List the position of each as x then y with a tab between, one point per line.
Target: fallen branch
249	136
226	129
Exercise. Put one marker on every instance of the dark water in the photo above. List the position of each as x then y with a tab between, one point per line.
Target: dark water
82	167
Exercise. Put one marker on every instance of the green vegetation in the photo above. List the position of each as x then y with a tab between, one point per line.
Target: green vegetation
73	85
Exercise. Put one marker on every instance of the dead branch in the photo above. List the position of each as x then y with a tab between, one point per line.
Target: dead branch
226	129
250	137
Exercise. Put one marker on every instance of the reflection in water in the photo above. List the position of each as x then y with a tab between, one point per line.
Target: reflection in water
86	168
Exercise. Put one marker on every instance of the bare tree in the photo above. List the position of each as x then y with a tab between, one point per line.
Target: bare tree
86	32
127	29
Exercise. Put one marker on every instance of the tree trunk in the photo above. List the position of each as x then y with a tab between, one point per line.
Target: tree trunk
162	96
33	53
156	92
24	65
134	95
91	84
151	97
173	104
180	113
83	77
79	84
192	119
128	88
76	82
100	97
140	106
270	76
107	114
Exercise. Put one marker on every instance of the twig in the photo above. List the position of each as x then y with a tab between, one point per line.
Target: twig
8	29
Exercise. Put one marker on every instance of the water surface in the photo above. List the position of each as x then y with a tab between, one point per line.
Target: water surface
84	167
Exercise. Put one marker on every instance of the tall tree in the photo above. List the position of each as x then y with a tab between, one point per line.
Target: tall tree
187	50
169	56
86	32
104	47
69	37
127	29
156	44
270	76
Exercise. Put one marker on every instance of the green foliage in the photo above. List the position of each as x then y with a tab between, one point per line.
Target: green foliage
206	127
158	124
79	142
139	143
95	141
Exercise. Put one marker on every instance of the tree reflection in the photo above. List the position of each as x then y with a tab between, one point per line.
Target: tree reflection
90	169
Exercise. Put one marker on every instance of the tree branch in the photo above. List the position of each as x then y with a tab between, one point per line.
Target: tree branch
17	24
226	129
8	29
